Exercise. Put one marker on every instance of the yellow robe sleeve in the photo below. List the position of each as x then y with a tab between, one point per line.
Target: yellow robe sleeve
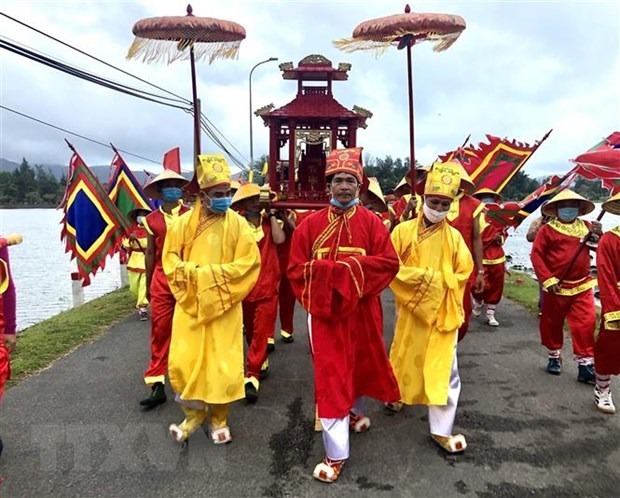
207	291
433	295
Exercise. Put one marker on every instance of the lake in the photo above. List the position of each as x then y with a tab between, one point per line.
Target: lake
42	270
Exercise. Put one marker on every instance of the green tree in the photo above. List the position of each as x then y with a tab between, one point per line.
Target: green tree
25	181
47	185
519	187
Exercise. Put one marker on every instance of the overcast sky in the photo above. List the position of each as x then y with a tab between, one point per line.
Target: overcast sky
519	69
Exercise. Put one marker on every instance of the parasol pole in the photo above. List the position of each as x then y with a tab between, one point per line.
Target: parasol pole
582	244
196	105
411	129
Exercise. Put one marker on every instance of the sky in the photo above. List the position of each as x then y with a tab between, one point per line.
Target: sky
519	69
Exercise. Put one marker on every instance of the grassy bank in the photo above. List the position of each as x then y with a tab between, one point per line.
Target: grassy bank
42	344
523	289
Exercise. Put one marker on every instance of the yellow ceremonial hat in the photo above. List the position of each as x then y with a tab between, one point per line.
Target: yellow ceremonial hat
345	161
375	189
585	206
443	180
212	170
612	205
234	185
151	189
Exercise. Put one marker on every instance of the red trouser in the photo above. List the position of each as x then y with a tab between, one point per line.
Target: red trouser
580	313
287	305
467	310
607	351
259	319
162	309
493	284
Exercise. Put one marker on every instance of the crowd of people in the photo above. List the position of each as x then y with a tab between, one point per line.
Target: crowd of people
218	273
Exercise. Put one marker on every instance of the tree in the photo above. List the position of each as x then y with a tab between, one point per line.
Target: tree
519	187
25	181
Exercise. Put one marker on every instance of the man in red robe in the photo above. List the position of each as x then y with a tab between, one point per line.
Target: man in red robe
607	345
341	260
494	261
168	187
568	287
260	307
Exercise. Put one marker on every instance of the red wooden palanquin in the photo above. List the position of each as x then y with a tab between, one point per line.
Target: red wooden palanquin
304	131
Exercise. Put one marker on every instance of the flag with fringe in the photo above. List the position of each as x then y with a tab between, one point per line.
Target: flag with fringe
492	165
92	226
602	162
124	189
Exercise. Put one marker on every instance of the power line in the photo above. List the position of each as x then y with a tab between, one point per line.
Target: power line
47	61
76	134
92	56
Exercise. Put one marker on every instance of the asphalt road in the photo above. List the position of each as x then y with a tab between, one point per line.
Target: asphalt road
76	429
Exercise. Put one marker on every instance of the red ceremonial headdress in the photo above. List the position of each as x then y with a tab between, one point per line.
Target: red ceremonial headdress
345	161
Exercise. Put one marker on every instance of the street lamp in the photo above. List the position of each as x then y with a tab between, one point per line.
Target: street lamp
251	137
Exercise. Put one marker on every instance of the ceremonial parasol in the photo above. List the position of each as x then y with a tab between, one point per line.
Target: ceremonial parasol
171	38
405	31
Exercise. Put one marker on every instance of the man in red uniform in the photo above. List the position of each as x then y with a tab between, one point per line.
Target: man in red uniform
168	187
494	261
260	306
607	345
341	260
568	288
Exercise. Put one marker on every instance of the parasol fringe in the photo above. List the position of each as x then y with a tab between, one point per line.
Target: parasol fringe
151	51
379	45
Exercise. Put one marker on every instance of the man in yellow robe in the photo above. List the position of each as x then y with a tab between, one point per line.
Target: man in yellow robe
212	263
428	289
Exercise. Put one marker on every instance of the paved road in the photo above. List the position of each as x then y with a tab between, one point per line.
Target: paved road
76	430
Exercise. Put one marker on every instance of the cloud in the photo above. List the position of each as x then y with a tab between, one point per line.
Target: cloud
519	69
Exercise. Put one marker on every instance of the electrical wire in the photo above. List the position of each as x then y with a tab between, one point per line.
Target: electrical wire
92	56
76	134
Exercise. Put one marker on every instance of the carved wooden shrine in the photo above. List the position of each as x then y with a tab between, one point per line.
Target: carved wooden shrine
304	131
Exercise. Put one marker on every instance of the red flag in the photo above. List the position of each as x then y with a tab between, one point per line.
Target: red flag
172	160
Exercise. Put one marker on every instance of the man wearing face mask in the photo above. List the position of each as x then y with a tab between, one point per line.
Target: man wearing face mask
260	307
571	299
428	289
341	260
212	263
167	187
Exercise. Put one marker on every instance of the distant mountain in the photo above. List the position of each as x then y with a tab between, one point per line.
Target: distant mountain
58	170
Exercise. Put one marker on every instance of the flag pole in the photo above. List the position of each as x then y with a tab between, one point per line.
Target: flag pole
538	144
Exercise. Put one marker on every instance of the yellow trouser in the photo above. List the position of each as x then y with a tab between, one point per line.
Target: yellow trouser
137	286
195	418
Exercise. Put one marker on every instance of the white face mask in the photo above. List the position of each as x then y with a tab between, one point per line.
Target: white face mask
432	215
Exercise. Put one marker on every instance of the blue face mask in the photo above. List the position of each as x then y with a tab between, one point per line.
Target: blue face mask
568	213
171	194
140	219
252	213
488	200
334	202
219	205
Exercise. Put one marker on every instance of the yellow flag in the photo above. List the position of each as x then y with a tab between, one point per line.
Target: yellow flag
251	176
265	168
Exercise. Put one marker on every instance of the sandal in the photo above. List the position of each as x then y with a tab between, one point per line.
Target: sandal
358	423
328	470
221	435
177	433
451	444
395	406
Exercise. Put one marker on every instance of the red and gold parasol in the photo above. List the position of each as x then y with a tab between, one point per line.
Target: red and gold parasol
171	38
405	31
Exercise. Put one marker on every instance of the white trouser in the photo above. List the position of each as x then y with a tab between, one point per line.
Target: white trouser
336	433
441	418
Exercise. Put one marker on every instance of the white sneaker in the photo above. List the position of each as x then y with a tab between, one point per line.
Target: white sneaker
491	320
477	308
603	401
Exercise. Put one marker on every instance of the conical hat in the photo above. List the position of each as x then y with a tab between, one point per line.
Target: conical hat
402	184
248	190
585	206
612	205
132	214
151	189
485	191
375	189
